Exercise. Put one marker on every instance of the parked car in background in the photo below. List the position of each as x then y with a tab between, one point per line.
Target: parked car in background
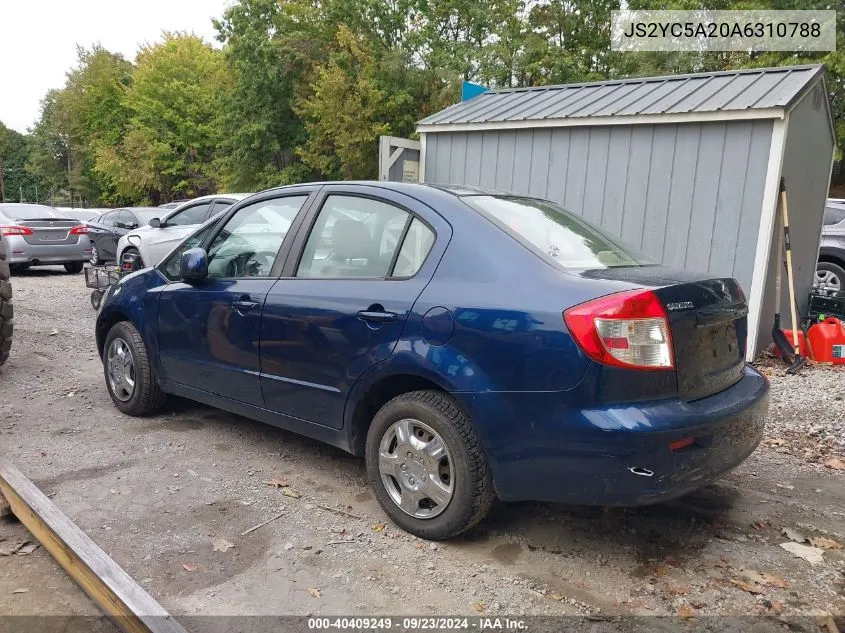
830	270
105	230
467	344
83	215
148	244
38	235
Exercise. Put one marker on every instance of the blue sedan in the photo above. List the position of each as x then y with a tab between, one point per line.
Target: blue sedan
468	344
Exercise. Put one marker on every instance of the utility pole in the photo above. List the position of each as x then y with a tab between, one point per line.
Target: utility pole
2	183
20	193
36	194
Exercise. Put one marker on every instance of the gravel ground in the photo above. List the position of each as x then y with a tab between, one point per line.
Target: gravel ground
156	493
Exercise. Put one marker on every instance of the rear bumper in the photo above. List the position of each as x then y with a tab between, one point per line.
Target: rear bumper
593	456
19	252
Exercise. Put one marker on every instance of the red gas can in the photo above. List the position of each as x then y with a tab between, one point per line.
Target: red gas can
802	344
828	341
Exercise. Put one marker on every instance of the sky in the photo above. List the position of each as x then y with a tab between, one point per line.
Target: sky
38	41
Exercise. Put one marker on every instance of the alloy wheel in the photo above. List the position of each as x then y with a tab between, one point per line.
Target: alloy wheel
828	282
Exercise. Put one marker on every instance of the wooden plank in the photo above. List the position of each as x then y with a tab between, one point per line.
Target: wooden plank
130	607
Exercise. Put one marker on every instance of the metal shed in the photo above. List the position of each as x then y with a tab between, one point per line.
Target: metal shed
685	167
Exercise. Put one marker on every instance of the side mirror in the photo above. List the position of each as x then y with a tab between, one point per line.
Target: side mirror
193	265
155	223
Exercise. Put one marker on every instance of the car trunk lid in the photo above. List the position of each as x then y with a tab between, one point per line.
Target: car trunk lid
49	231
708	323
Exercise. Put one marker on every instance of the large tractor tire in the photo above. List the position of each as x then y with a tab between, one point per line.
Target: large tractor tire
6	311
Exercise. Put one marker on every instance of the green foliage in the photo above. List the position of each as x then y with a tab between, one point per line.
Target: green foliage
301	89
174	127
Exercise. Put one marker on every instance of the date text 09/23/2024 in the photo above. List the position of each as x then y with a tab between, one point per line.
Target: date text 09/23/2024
418	624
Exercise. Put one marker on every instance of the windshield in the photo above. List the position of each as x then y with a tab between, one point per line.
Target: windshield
147	215
28	212
834	215
556	233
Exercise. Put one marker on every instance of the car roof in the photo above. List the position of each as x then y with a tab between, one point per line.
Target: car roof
215	196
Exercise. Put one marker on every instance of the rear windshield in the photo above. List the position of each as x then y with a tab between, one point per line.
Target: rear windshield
556	233
28	212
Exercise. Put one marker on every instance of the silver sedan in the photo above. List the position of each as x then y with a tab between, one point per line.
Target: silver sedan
38	235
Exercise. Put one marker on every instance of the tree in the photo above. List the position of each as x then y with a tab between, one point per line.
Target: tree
174	131
344	113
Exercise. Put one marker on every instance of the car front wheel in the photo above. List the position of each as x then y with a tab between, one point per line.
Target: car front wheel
129	374
427	467
74	268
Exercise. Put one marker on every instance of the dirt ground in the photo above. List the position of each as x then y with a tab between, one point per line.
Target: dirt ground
157	493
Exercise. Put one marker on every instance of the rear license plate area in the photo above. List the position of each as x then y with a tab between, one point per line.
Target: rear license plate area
52	236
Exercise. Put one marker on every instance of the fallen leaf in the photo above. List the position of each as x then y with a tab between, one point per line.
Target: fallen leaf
686	611
290	492
760	525
824	543
314	592
378	527
277	483
835	463
189	566
745	586
812	555
557	596
678	591
19	590
764	578
478	607
793	535
776	441
53	333
27	548
776	606
222	545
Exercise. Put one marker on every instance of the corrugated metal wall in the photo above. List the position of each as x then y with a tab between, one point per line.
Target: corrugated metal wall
806	170
690	195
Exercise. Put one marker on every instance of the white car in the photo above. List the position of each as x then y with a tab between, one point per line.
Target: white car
152	242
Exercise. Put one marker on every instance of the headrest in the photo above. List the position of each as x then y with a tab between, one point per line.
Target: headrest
351	240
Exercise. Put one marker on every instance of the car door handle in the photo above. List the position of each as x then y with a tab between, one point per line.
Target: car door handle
378	316
244	305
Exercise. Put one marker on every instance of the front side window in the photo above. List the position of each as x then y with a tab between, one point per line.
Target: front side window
249	242
170	267
192	215
556	234
125	220
108	218
357	237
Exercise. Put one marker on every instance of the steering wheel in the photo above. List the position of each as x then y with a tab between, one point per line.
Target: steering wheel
250	264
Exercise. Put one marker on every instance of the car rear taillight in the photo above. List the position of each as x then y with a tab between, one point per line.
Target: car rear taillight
79	230
15	230
626	329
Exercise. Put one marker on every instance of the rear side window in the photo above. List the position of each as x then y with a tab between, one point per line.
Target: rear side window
557	234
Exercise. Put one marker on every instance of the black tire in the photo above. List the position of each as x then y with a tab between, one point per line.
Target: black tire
95	256
74	268
139	262
6	310
836	271
147	397
471	479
